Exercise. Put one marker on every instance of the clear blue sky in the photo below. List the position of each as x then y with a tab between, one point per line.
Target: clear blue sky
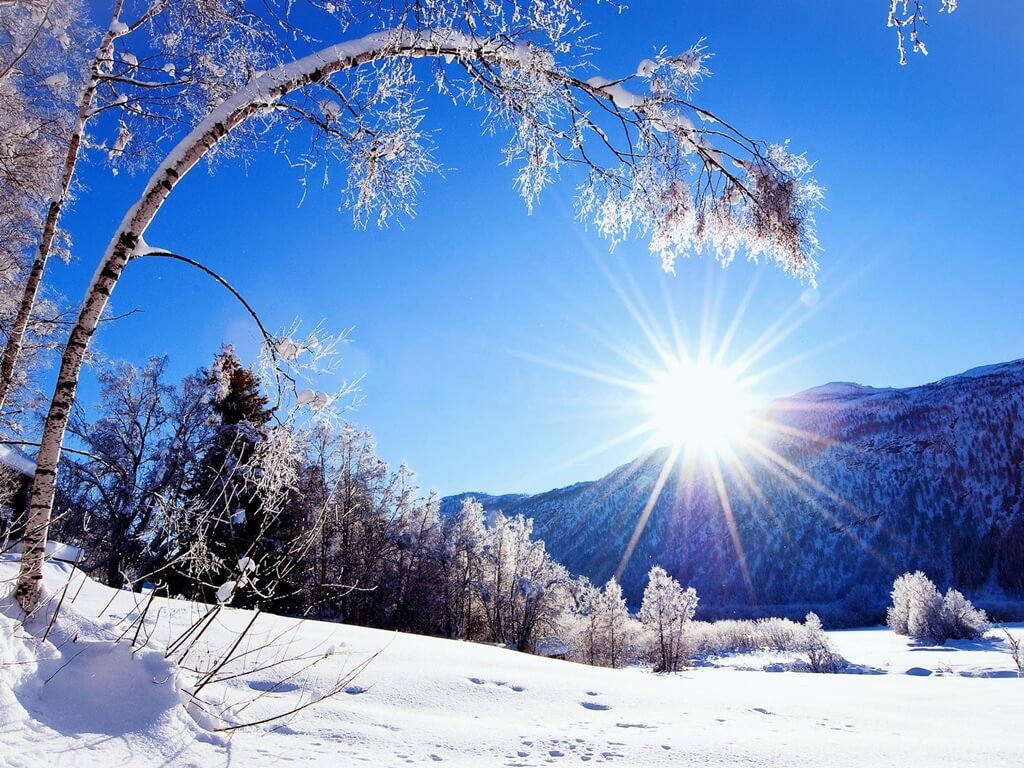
922	272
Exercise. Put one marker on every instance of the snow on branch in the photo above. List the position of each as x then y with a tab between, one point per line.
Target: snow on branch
907	17
655	163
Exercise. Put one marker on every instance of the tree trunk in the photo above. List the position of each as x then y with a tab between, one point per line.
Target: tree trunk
35	277
129	242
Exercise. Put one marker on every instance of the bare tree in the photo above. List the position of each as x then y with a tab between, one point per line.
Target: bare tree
124	497
654	163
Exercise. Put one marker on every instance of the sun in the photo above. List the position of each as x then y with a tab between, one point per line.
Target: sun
699	406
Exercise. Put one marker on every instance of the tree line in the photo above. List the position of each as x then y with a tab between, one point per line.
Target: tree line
197	490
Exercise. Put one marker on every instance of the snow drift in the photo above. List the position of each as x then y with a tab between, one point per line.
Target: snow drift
85	698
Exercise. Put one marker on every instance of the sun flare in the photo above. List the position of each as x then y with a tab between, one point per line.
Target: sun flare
699	406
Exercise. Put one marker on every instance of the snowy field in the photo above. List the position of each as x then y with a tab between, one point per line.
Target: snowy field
80	700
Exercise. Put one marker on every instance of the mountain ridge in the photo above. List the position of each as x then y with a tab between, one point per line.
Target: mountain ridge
853	486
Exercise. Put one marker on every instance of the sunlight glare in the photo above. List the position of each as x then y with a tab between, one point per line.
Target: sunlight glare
699	406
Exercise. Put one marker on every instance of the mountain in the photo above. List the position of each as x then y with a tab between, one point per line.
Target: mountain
847	487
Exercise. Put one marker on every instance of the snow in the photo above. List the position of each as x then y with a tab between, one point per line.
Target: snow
983	371
14	459
422	701
645	68
836	389
288	349
55	550
225	591
56	81
330	108
622	97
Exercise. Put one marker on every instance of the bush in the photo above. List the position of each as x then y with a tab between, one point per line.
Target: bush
919	611
821	654
732	636
960	619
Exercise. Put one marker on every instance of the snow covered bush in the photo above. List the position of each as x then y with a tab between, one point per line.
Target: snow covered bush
777	634
920	611
960	619
730	637
666	610
821	654
733	636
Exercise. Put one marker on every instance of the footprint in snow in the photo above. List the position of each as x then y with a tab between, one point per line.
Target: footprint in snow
269	686
355	690
632	725
595	706
499	683
762	710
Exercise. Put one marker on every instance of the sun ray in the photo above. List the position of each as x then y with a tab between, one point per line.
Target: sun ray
587	373
730	521
737	319
641	523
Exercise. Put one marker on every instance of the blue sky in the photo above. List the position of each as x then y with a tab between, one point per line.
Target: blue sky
921	271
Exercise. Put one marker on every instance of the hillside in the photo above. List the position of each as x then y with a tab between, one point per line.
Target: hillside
96	693
851	487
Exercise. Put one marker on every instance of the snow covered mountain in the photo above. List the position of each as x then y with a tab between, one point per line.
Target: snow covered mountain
852	486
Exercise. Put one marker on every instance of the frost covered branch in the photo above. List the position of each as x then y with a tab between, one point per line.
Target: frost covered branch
907	16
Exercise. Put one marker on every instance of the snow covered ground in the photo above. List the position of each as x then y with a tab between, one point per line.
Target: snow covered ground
79	699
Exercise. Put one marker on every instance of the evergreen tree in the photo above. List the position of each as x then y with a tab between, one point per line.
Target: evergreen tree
225	487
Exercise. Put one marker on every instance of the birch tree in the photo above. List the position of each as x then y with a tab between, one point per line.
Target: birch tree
157	63
651	161
39	64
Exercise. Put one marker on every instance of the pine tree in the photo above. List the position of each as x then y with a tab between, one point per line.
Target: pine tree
225	485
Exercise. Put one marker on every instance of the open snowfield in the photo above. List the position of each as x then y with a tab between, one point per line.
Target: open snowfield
80	700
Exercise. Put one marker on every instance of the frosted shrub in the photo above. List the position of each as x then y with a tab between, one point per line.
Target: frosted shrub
960	619
777	634
821	654
918	610
732	636
916	606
